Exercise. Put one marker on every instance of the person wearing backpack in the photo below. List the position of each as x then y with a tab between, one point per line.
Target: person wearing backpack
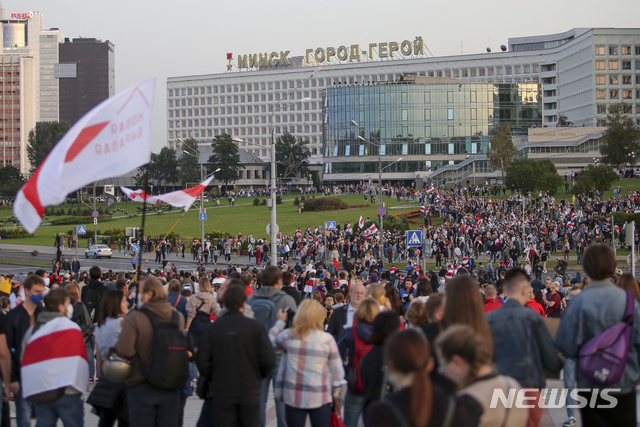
234	356
354	343
265	304
200	308
92	292
592	315
523	347
153	338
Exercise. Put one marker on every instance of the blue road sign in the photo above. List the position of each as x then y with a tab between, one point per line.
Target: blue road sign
382	211
203	216
331	226
135	248
414	238
94	214
82	229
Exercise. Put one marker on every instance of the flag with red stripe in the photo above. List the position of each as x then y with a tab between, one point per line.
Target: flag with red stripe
371	230
361	222
55	357
181	198
110	140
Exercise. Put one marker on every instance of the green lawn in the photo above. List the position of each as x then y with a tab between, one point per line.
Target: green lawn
243	218
625	184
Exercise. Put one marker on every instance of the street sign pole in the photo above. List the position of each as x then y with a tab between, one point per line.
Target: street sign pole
75	238
95	224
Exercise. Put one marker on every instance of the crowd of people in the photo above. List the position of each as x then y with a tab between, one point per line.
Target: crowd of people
377	346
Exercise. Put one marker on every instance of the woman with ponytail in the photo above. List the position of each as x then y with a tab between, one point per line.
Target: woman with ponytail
466	360
415	401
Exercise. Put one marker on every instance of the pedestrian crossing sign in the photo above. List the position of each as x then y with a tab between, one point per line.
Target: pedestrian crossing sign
414	238
82	229
331	226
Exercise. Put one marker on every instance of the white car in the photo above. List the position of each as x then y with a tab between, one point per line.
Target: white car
98	251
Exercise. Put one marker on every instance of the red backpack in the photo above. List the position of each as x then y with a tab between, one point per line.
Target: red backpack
362	348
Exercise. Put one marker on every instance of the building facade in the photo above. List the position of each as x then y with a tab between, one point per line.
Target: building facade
427	126
86	74
582	72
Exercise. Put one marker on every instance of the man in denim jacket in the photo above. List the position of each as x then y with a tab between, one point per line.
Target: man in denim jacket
523	346
600	306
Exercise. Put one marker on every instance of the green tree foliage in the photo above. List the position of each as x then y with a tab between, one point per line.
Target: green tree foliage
11	180
164	167
292	157
226	157
501	151
533	175
189	163
595	178
42	139
621	138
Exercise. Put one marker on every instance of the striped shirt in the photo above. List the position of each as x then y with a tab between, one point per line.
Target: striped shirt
309	370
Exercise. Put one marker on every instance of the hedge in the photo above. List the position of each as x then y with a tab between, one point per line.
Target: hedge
324	204
621	217
72	220
13	233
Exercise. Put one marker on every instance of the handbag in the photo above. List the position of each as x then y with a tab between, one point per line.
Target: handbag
335	419
604	357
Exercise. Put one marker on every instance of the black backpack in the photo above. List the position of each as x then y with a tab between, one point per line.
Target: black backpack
92	301
169	366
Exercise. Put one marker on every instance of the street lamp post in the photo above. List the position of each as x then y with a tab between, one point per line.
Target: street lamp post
380	169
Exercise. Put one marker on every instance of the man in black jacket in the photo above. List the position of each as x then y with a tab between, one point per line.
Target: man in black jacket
93	291
342	318
292	291
18	322
235	354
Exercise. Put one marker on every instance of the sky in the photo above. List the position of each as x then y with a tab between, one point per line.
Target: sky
181	38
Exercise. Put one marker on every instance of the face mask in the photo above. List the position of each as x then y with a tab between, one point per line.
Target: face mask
36	299
15	290
140	304
46	281
69	311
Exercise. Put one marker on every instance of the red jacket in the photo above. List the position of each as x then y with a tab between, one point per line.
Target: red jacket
491	304
537	307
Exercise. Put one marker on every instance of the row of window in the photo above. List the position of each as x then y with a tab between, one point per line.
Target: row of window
626	109
614	64
191	102
616	94
247	120
214	122
613	50
616	79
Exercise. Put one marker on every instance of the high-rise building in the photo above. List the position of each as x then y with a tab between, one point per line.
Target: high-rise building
86	74
49	89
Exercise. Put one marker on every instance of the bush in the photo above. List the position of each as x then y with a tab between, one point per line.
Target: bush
278	200
75	220
324	204
264	202
215	234
11	233
302	199
296	202
256	202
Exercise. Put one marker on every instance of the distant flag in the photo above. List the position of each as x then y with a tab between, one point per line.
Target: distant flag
181	198
431	188
371	230
110	140
361	223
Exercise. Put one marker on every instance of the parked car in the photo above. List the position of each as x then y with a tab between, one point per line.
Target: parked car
98	251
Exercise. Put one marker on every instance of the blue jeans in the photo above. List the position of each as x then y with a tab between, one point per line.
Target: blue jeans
353	405
69	409
264	396
569	378
23	410
91	358
319	417
150	406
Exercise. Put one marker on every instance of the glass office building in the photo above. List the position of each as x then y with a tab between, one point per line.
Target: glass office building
426	125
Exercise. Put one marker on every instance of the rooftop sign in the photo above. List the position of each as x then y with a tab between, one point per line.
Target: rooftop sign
22	15
353	53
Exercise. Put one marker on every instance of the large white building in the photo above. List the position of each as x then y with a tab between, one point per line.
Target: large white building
583	71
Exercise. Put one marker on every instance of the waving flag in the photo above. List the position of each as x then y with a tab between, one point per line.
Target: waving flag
361	223
180	199
431	188
110	140
55	357
371	230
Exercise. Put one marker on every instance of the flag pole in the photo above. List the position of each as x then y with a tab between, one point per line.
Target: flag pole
144	214
165	236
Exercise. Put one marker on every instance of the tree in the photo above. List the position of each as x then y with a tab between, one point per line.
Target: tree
595	178
42	139
501	152
533	175
11	180
226	157
563	121
292	157
164	166
189	162
621	138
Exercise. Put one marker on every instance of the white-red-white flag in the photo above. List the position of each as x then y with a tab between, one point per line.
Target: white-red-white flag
361	222
371	230
110	140
431	188
180	199
55	357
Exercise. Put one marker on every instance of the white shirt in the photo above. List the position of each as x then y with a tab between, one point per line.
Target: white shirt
13	298
350	313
